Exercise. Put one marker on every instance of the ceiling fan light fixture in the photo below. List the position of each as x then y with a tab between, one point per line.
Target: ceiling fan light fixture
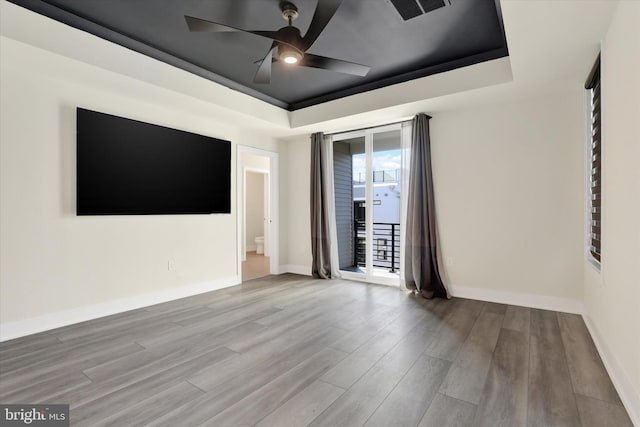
288	46
290	59
289	54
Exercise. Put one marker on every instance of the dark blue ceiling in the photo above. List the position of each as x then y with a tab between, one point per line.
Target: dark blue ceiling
370	32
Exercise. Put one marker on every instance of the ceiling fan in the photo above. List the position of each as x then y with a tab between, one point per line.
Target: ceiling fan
288	44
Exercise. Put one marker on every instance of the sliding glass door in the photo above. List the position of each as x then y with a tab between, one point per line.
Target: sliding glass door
367	166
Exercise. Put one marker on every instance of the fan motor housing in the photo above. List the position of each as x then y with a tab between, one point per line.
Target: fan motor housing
291	36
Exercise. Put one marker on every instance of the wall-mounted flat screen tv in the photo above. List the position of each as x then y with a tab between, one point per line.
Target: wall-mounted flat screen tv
127	167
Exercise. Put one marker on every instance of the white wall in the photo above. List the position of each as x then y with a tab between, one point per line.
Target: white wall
255	209
509	184
254	161
612	296
53	261
298	182
284	200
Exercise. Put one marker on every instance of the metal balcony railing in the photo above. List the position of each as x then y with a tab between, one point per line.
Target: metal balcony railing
386	245
378	176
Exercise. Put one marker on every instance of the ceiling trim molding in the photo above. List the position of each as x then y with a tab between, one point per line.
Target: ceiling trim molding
80	23
402	78
407	98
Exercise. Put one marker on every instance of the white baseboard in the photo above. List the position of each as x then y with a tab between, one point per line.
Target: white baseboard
296	269
628	394
250	248
544	302
20	328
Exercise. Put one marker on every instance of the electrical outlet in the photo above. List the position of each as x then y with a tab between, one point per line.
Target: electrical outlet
171	266
449	261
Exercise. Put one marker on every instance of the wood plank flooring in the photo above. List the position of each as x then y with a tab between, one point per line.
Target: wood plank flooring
255	266
291	351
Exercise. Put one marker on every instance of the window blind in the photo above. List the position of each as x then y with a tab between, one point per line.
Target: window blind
595	160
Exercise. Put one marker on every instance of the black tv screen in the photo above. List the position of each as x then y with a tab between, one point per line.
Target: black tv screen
127	167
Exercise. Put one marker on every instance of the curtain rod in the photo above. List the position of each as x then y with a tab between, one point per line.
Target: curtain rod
368	127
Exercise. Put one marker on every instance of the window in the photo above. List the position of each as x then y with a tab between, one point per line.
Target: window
594	217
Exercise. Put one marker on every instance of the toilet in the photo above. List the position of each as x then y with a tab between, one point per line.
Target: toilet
259	244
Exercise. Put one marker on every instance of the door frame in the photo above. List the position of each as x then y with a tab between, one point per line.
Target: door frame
369	275
266	190
274	204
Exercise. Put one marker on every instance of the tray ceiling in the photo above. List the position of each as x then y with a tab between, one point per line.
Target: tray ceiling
369	32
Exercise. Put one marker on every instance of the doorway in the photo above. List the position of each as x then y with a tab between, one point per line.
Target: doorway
369	198
257	203
256	214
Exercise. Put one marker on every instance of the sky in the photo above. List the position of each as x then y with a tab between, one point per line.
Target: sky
382	160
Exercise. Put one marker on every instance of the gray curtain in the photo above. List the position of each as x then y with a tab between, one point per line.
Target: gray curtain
421	261
320	244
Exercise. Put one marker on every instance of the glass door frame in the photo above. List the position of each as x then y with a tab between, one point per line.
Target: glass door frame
369	275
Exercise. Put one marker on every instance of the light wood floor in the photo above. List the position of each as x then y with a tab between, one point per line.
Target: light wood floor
291	351
255	266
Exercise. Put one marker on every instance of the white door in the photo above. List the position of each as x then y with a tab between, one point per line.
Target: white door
368	176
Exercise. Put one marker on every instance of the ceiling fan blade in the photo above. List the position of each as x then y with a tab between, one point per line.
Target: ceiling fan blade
273	60
263	75
323	14
333	64
202	25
